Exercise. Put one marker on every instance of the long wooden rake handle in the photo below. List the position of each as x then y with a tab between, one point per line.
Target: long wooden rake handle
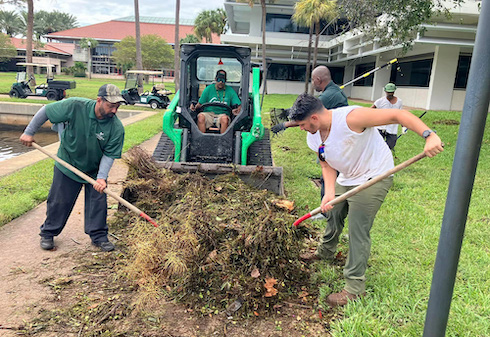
361	187
92	181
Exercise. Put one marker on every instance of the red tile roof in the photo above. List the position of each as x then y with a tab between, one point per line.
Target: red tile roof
117	30
60	48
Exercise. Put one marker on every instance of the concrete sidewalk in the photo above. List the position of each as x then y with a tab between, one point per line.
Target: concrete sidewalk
16	163
25	265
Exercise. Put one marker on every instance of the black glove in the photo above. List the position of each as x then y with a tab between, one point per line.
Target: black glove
278	128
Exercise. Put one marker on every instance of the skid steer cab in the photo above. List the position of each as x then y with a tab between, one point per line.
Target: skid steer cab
53	90
244	146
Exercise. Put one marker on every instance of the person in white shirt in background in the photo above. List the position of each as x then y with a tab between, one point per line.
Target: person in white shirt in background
390	101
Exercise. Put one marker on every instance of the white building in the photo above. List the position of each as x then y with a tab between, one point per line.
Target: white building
433	75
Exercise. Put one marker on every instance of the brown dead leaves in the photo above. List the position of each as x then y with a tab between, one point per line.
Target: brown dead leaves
270	282
284	204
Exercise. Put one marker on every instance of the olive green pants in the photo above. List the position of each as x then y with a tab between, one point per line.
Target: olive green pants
361	210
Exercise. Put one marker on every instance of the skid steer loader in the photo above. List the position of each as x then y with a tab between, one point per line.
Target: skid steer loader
244	148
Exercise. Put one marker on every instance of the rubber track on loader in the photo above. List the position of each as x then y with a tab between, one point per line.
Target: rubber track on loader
259	153
164	150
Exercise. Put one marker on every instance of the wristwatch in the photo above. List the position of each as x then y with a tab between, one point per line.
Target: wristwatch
427	133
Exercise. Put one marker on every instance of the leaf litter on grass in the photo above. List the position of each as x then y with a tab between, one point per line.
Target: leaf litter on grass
219	240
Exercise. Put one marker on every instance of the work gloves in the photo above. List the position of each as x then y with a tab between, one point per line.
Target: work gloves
278	128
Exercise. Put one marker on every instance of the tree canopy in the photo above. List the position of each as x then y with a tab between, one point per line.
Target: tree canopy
7	49
190	38
393	22
156	52
10	23
208	22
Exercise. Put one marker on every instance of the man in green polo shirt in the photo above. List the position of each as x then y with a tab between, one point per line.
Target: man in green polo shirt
91	137
220	93
331	95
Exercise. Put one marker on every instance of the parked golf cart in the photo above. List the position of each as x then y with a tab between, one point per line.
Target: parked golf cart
156	98
52	90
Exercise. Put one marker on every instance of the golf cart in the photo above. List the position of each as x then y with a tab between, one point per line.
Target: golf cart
244	147
52	90
156	98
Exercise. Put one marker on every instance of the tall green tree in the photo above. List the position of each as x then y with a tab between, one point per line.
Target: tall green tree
156	52
177	46
89	44
310	13
263	6
189	38
29	35
209	22
394	22
10	23
7	49
49	22
139	61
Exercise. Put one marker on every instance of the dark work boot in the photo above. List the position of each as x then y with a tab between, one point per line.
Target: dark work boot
105	246
47	243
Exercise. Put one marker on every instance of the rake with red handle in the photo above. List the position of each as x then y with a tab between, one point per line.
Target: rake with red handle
92	181
361	187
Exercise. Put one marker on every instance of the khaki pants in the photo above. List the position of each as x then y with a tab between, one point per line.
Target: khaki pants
361	210
213	119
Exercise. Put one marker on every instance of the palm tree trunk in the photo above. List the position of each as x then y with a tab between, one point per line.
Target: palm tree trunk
315	53
30	28
308	63
139	58
264	61
177	47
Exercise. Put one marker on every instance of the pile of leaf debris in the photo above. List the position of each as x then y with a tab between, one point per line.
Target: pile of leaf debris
220	244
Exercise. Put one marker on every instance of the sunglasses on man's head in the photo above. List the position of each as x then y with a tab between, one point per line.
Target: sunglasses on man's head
321	153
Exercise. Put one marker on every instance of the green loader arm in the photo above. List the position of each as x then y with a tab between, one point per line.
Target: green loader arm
257	130
169	119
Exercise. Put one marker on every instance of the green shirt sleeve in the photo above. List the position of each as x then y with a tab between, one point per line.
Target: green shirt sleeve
235	100
59	112
113	148
205	95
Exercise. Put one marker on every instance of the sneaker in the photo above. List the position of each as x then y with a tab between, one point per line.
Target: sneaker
105	246
47	243
340	299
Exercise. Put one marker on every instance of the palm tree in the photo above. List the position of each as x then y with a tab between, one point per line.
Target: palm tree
208	22
10	22
263	7
89	44
30	27
139	58
310	13
49	22
177	46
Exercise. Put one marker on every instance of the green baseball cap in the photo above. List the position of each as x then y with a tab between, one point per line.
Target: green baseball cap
110	93
390	87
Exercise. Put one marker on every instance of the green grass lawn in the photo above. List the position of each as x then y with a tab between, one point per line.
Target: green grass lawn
405	234
404	237
85	87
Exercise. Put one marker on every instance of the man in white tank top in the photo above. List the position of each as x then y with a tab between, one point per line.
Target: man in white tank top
390	101
347	141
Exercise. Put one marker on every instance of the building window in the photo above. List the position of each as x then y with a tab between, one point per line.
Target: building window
337	74
462	72
284	24
286	72
362	69
415	73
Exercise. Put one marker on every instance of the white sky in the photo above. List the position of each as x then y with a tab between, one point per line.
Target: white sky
89	12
